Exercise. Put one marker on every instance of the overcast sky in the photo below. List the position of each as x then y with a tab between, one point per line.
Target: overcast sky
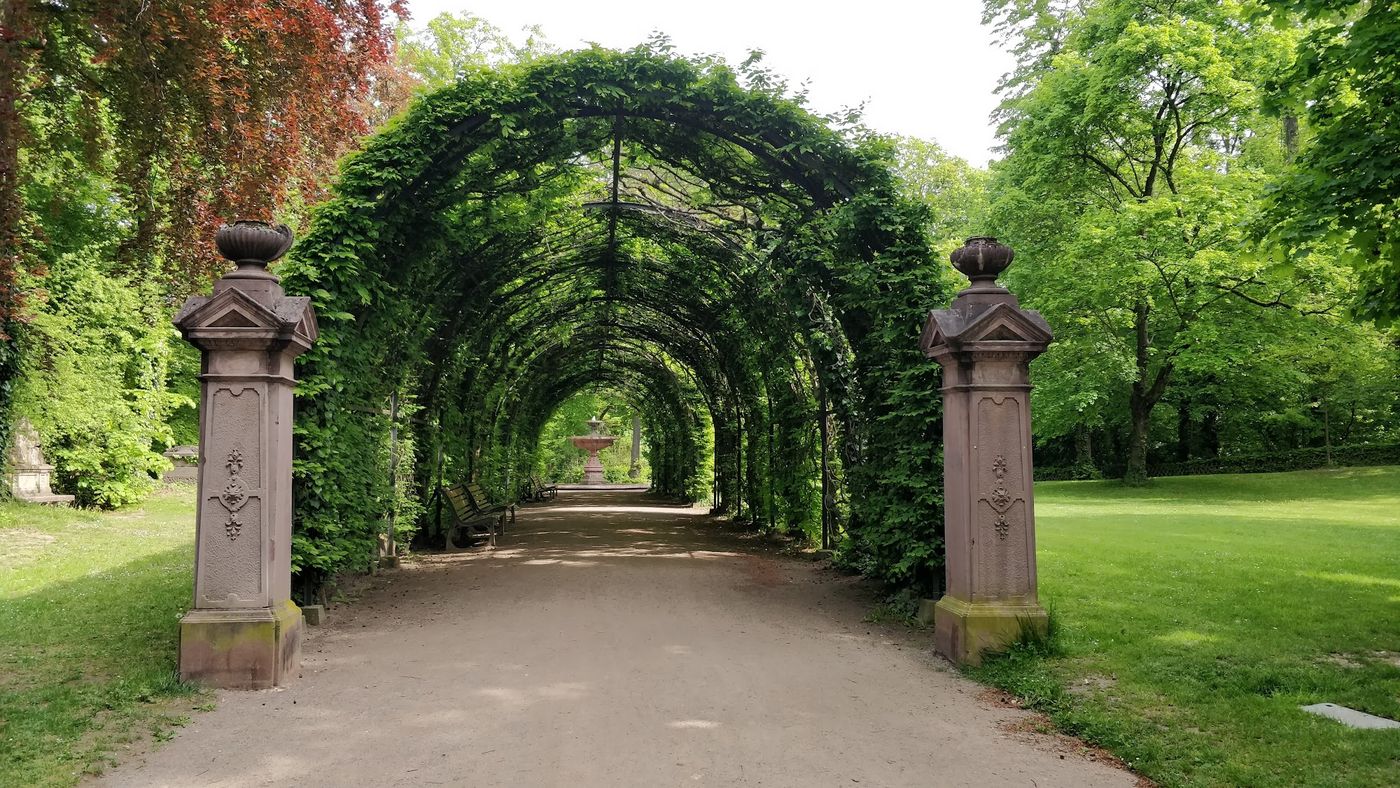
924	68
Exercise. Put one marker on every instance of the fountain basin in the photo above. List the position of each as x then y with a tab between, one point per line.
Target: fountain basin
593	443
593	469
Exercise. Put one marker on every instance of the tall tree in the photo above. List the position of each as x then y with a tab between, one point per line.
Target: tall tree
954	190
128	132
222	106
1346	185
441	51
1134	147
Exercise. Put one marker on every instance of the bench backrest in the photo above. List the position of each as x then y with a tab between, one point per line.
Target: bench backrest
479	496
461	501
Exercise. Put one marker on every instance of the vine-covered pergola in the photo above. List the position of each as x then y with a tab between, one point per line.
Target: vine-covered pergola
749	279
643	222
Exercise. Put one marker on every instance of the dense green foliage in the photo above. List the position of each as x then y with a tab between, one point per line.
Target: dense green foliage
128	133
1291	460
1140	152
1193	619
644	223
93	382
1345	187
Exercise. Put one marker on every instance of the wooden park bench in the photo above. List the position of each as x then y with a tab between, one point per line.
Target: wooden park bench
483	502
477	521
536	490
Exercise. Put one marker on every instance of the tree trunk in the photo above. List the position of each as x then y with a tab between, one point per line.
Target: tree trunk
1083	447
636	470
1183	431
1143	399
1136	472
16	53
1327	432
1210	433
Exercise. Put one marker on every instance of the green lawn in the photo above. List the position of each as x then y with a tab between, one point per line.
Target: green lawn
1195	615
88	607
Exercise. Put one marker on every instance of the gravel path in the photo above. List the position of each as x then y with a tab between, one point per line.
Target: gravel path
614	641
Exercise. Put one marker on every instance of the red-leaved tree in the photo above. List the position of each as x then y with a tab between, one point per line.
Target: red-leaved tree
220	109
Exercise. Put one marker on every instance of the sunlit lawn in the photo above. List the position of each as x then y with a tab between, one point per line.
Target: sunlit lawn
1196	615
88	608
1200	611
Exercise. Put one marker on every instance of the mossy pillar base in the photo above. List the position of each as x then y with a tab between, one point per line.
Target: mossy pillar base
244	631
241	649
985	343
963	631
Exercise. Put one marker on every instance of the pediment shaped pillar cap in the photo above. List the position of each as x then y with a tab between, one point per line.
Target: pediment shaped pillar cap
235	309
1001	326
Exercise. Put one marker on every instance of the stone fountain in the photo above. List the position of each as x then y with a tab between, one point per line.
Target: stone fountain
593	443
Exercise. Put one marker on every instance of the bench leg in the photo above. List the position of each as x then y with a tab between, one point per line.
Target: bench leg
451	543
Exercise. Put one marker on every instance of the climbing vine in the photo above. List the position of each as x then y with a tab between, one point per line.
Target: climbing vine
640	222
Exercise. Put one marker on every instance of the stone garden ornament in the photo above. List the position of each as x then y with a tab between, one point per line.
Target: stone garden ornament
244	630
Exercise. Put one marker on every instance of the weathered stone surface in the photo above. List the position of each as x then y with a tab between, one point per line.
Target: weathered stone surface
1350	717
29	475
241	633
313	615
925	614
985	343
963	631
254	648
184	462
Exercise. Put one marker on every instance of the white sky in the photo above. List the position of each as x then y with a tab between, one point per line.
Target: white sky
925	68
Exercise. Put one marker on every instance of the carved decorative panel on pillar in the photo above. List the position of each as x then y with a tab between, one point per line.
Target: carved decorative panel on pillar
244	631
985	343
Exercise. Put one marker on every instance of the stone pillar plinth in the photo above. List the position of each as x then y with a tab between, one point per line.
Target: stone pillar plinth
244	631
985	343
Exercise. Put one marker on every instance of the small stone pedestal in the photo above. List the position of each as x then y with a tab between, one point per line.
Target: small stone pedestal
244	631
184	464
985	343
29	473
593	470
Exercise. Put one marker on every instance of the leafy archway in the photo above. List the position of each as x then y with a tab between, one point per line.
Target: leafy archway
644	222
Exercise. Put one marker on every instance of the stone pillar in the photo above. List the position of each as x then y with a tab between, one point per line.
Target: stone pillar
985	343
244	631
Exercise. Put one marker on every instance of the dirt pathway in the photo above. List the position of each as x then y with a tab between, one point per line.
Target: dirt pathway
612	641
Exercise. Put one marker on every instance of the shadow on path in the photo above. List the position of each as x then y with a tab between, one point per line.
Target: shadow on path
611	640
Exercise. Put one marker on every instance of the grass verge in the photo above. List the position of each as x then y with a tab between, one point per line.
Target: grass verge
1195	616
89	603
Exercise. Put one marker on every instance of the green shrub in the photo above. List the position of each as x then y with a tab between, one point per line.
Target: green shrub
1294	460
93	382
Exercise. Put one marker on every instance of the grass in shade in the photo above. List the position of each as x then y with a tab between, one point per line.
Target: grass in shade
89	603
1194	616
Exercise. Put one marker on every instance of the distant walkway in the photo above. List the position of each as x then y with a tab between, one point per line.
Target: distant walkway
613	641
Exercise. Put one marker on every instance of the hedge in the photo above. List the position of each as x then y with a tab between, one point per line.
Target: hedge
1293	460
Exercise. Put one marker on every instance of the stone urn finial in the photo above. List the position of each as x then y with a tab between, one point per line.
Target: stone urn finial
253	244
982	259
